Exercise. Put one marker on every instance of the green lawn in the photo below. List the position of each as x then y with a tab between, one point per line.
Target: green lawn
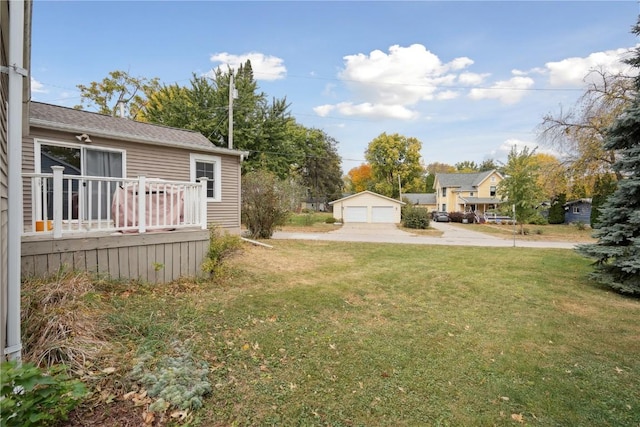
340	334
549	232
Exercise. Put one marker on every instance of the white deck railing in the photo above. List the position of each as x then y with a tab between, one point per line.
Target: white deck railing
63	204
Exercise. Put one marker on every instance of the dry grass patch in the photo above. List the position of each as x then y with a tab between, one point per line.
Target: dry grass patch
63	322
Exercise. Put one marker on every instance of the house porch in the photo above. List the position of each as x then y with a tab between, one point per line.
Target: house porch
156	257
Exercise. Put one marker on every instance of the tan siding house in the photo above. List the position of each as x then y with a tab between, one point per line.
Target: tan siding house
467	192
149	150
80	164
367	207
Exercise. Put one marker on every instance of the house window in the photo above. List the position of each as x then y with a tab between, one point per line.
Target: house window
493	178
444	191
470	193
210	168
89	200
492	191
444	207
576	209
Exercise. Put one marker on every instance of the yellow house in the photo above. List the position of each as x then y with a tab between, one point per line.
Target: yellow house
467	192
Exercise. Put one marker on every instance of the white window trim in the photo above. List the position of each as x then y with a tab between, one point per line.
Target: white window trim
38	143
217	160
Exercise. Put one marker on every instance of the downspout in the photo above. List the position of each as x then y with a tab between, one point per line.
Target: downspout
14	142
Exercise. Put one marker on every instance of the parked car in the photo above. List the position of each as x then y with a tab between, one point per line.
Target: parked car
441	217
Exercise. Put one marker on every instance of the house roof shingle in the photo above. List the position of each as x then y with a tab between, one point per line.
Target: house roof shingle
55	117
465	181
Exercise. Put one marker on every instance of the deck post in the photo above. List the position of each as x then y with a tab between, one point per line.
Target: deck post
142	214
203	202
57	201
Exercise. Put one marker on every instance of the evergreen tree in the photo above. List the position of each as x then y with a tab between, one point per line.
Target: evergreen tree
556	211
604	186
617	252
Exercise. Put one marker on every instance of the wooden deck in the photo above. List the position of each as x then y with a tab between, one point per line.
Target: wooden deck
156	257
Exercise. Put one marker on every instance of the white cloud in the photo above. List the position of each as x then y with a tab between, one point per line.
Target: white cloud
573	71
446	95
37	87
329	90
472	79
387	84
505	148
366	109
324	110
403	76
265	67
506	91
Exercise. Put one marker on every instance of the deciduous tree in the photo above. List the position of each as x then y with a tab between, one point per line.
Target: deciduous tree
395	161
119	88
432	170
578	133
467	166
520	187
552	175
360	178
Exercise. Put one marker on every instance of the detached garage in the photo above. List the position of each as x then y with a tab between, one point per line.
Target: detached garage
367	206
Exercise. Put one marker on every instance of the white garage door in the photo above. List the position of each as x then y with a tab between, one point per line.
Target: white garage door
355	214
382	214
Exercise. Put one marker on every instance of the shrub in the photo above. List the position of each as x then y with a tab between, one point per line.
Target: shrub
556	211
266	202
30	397
221	246
537	219
415	217
176	380
330	220
580	225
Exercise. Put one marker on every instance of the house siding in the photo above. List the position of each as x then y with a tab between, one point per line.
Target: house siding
484	189
154	161
584	216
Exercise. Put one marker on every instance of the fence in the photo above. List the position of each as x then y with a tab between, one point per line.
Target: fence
63	204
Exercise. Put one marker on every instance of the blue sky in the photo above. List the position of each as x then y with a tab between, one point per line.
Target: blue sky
468	79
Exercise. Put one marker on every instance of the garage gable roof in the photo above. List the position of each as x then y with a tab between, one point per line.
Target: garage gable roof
370	193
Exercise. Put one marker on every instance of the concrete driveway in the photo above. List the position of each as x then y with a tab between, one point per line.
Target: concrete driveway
389	233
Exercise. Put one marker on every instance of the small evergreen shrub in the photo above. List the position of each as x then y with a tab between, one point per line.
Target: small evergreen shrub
330	220
31	397
415	217
175	381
